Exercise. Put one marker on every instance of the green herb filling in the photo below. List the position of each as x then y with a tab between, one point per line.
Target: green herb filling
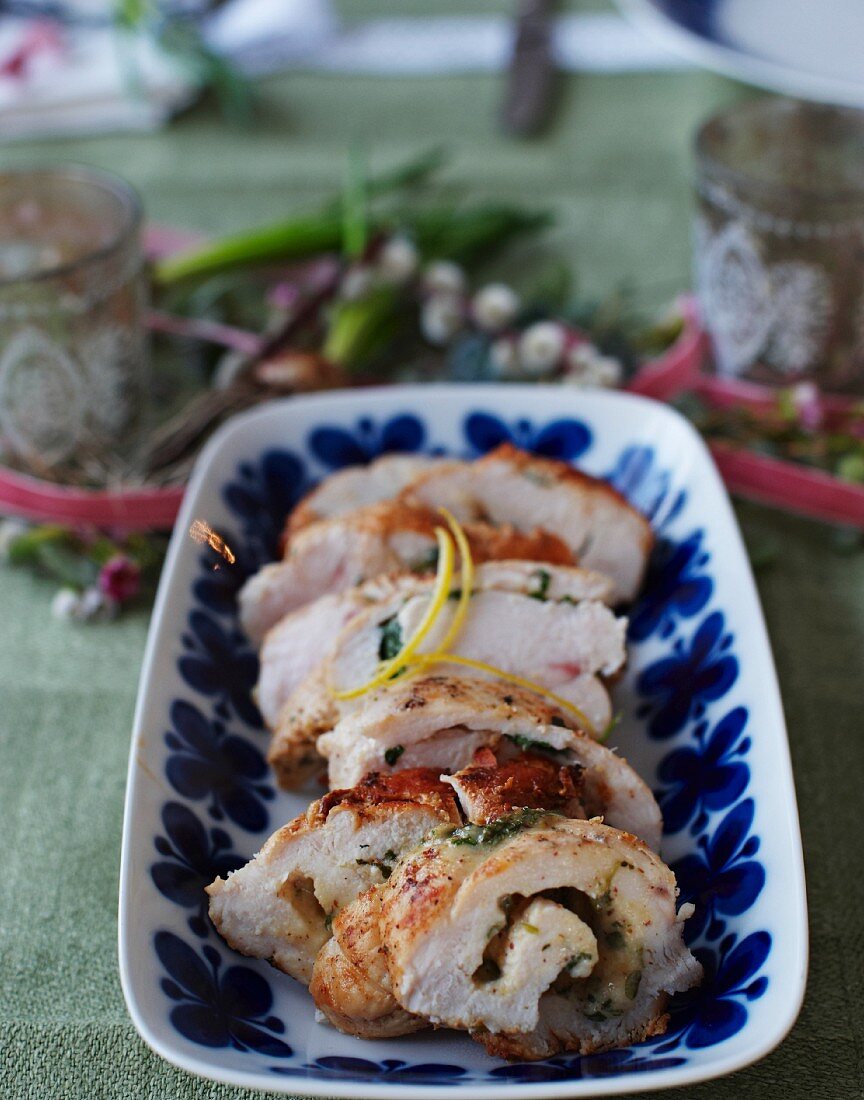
391	639
496	831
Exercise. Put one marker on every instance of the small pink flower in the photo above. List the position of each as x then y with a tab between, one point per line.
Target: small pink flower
120	578
808	405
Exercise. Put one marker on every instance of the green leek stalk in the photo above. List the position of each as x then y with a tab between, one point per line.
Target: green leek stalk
358	331
296	238
464	236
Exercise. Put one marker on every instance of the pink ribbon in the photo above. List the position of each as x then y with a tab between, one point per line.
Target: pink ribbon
761	478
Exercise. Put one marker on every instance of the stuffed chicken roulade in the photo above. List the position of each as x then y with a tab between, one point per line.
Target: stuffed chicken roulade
537	934
570	647
355	487
350	980
280	905
442	721
302	639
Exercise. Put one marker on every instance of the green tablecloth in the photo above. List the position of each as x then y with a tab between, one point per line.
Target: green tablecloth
616	167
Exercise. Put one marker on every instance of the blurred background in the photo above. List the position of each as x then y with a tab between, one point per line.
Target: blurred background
348	77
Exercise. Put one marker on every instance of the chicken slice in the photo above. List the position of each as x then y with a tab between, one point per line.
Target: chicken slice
357	486
350	980
299	641
280	905
441	721
389	537
310	711
511	486
538	934
564	646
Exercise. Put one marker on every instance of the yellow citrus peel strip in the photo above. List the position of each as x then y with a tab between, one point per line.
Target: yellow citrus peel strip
440	594
466	570
409	660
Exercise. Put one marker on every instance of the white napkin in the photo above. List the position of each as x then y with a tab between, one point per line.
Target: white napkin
59	81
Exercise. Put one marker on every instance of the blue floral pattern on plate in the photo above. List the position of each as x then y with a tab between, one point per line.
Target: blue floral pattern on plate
215	763
562	439
192	856
706	775
215	1008
208	762
335	447
722	879
697	672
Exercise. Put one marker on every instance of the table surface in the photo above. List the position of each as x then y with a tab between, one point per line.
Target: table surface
616	168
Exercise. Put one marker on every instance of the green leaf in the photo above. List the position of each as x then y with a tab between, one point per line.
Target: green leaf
25	549
474	234
404	177
493	832
294	239
391	639
66	565
527	743
462	235
611	725
541	579
412	173
355	226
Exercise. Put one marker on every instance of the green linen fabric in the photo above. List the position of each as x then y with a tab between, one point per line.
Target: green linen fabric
615	166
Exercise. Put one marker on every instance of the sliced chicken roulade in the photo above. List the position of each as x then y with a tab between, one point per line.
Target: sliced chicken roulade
537	934
441	722
356	486
511	486
281	904
389	537
564	646
350	980
301	640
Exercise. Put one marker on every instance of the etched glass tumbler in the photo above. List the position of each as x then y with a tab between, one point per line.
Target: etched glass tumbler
73	348
779	242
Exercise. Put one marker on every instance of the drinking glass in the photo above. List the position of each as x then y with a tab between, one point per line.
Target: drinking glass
779	242
73	348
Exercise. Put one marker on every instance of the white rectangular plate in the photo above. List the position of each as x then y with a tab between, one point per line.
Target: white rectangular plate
702	722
